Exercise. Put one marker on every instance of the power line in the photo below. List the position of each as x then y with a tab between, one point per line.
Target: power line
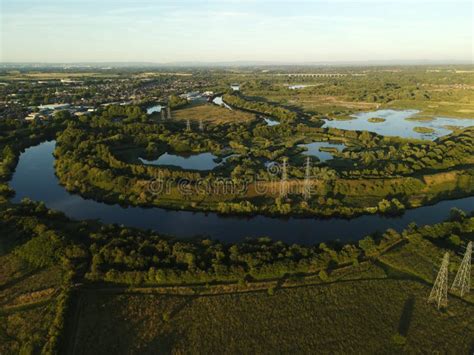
307	180
284	179
462	281
439	292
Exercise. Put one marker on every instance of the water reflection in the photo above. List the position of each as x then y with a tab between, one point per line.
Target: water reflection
34	178
397	124
202	161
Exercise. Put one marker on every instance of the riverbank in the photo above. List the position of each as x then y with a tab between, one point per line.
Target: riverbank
39	161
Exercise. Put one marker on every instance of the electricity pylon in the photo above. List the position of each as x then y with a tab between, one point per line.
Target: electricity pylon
168	111
188	125
462	281
201	126
284	179
307	180
439	293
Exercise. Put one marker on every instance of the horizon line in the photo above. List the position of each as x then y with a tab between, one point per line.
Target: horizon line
251	62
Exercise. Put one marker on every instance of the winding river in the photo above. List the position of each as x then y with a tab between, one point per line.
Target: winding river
34	178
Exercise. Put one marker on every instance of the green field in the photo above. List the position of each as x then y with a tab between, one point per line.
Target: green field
463	108
210	113
346	317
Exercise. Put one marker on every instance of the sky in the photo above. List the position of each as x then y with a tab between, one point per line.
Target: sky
164	31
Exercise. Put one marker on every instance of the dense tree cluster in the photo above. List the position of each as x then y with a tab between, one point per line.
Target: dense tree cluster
404	157
175	101
263	108
130	256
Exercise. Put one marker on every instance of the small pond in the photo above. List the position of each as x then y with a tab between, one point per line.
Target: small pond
271	122
220	102
314	149
153	109
201	161
299	86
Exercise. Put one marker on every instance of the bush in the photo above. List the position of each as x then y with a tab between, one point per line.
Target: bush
323	276
271	291
42	250
456	215
399	340
455	240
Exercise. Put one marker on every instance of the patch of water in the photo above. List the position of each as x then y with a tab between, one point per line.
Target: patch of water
397	124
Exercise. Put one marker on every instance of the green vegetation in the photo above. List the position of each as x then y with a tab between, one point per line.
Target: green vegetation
446	92
213	114
95	157
423	130
87	287
376	119
156	260
164	294
175	102
39	261
260	107
364	316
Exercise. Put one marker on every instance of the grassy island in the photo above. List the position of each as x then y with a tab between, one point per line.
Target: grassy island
424	130
376	119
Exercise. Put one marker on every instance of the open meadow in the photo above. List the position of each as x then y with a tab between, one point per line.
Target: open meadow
376	316
212	114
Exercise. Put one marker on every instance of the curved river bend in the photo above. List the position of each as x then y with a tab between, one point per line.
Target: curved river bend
34	178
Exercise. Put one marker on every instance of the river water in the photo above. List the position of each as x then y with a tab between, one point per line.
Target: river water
34	178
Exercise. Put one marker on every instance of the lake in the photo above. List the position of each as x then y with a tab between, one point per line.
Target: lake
34	178
396	124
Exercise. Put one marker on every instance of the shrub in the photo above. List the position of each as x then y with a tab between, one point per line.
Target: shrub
323	275
399	340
